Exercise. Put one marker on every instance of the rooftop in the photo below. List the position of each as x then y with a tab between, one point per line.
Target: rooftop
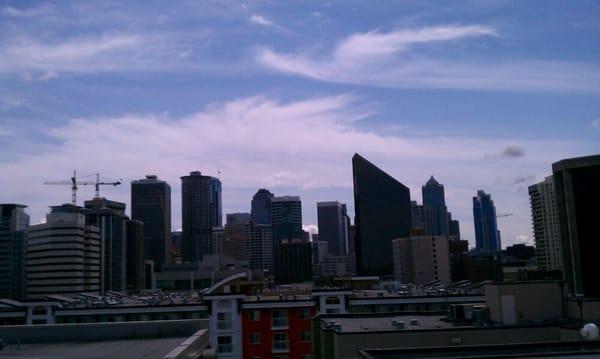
360	324
138	348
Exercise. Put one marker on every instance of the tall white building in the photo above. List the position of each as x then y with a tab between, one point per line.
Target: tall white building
63	254
546	227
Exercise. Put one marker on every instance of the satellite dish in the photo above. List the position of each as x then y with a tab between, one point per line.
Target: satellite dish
589	332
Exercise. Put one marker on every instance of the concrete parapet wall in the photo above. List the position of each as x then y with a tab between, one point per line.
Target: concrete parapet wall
44	333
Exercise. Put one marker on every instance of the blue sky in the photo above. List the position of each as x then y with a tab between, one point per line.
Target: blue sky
481	94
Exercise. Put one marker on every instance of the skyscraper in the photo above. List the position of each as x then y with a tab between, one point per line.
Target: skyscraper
383	213
261	247
286	218
546	228
109	217
292	261
237	218
422	218
200	212
151	204
577	186
434	198
261	207
64	247
487	237
453	226
134	249
13	243
333	226
422	259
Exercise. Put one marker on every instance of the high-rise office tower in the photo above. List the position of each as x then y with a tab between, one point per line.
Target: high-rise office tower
383	213
286	218
422	218
453	226
261	247
236	240
434	198
109	217
134	249
200	212
237	218
292	261
13	243
546	228
151	204
261	206
177	246
63	255
333	226
487	236
577	186
216	201
422	259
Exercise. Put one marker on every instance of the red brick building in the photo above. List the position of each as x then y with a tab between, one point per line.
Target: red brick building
278	328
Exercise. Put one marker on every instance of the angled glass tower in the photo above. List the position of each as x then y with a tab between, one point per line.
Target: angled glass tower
487	237
383	213
577	188
433	197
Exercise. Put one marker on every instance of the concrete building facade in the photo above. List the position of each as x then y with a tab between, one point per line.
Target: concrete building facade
421	259
63	255
546	227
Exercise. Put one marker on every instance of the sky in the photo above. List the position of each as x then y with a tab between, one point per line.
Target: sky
480	94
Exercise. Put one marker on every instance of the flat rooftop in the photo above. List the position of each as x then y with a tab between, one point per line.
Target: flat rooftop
361	324
138	348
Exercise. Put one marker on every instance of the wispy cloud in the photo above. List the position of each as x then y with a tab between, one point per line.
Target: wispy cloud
24	13
260	20
392	60
513	151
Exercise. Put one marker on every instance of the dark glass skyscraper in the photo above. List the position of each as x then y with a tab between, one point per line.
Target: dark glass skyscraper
286	218
151	204
13	250
434	198
487	237
109	217
383	213
200	212
261	207
333	226
577	185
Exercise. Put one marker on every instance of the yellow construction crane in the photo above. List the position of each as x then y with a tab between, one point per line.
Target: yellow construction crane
73	182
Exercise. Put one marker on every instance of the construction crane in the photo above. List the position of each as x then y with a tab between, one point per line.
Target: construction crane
504	215
73	182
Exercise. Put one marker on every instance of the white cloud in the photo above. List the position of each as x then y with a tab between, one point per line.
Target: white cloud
13	12
301	147
260	20
390	60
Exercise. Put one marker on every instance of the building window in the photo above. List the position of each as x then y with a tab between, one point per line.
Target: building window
280	318
223	321
224	304
280	342
254	338
39	311
332	301
305	336
254	315
224	345
306	356
305	313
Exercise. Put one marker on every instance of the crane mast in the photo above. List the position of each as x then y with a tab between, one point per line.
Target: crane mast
74	182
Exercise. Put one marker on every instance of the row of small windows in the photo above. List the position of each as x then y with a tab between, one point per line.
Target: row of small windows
306	336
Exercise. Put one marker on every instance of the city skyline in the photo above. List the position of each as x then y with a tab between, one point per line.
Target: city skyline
244	92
